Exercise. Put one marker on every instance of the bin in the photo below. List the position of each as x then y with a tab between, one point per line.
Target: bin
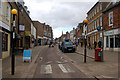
98	54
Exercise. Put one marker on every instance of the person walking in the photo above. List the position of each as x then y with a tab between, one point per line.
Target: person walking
89	45
99	44
95	44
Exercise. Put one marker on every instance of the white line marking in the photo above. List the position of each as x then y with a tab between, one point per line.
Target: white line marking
46	69
69	69
62	68
66	68
58	62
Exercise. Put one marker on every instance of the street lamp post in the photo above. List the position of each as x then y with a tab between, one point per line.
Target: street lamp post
85	52
14	12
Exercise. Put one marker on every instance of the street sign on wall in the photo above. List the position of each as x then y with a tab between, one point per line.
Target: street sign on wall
21	27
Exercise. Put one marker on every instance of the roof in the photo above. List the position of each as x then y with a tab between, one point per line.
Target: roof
111	7
92	7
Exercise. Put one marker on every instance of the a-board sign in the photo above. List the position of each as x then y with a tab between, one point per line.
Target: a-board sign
27	55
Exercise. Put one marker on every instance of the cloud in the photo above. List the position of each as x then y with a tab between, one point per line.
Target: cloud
58	14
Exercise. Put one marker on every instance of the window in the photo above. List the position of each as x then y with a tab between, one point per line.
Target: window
2	8
8	13
107	42
100	20
93	25
97	22
4	42
110	18
95	37
98	37
100	6
117	41
95	11
97	8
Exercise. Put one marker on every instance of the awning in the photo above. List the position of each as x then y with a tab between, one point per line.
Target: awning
45	37
40	37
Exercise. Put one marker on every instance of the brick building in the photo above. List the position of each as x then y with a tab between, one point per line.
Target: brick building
94	17
44	33
111	23
80	35
24	26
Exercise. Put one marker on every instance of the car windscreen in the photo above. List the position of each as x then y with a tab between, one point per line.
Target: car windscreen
68	43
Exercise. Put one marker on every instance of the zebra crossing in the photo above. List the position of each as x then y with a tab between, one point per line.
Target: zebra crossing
48	69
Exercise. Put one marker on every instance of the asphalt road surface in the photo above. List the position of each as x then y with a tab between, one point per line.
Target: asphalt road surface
52	63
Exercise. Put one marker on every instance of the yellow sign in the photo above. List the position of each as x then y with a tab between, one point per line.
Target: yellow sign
27	33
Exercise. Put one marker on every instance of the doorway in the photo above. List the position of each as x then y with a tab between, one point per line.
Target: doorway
111	42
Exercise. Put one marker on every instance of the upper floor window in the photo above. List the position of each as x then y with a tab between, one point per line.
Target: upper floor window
93	25
100	6
100	20
97	22
97	9
8	13
110	18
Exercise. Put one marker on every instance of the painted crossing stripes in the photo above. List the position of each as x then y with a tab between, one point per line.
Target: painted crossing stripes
46	69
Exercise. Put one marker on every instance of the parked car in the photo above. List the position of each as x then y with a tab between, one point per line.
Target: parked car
59	45
67	46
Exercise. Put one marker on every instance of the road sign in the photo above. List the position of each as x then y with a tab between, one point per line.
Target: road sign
27	55
98	28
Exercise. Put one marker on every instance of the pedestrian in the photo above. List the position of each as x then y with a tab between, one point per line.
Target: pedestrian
99	44
89	45
95	44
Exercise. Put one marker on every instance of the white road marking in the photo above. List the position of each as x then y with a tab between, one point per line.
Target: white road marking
46	69
62	68
66	68
69	69
49	62
58	62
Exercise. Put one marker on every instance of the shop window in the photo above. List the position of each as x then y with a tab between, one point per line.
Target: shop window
117	41
4	42
107	42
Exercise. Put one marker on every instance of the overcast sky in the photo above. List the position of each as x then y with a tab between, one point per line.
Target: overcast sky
61	15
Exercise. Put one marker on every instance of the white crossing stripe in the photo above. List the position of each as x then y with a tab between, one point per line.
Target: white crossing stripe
46	69
66	68
62	68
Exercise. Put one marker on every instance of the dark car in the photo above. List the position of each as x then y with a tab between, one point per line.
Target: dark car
59	45
68	46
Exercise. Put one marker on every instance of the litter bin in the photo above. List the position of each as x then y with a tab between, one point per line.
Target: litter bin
98	54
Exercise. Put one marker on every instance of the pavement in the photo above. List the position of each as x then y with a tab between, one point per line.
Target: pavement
22	69
106	69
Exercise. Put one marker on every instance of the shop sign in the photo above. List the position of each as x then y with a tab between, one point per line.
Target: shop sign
112	32
21	27
27	33
27	55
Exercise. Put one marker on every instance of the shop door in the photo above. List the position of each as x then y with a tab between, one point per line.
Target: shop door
111	42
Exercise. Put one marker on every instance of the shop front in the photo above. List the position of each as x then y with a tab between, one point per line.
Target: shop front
112	40
5	40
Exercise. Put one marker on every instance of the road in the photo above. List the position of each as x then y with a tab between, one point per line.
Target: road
52	63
